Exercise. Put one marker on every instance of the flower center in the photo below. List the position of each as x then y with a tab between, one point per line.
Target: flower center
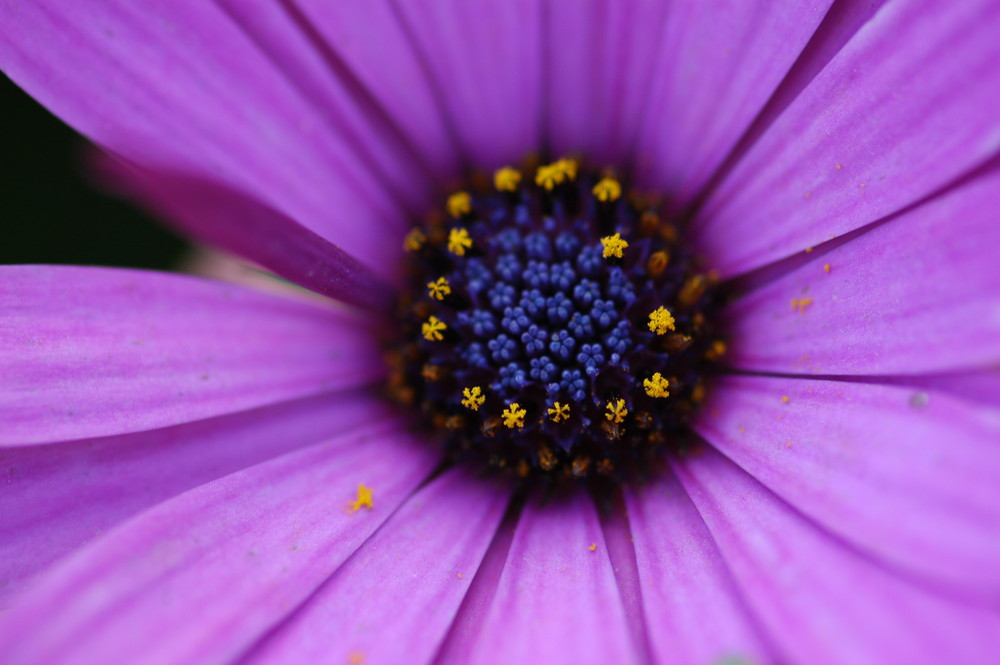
556	326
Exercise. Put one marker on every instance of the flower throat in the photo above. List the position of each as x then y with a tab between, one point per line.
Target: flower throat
555	327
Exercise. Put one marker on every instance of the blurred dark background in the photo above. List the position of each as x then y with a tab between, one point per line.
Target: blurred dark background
50	212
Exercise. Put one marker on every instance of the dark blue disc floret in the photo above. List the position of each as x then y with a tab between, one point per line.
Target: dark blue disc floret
555	328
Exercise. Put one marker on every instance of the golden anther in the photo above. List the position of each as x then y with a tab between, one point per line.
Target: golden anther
364	499
548	176
580	466
613	246
568	167
459	241
432	372
716	350
692	290
473	398
800	304
657	263
439	288
607	190
433	328
506	179
459	203
559	412
661	320
513	416
546	459
616	411
656	385
414	240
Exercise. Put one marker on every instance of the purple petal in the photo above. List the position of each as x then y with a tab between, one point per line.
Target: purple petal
598	60
59	497
484	61
223	217
821	602
684	583
370	40
718	64
917	294
395	599
886	122
241	552
92	352
910	477
557	600
182	88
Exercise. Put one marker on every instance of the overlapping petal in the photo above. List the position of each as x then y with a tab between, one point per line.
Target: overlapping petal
910	103
58	497
243	550
90	352
818	600
918	294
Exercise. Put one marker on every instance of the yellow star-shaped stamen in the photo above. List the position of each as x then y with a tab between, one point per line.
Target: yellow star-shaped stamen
616	411
506	179
513	416
459	203
661	320
433	328
656	386
459	241
559	412
607	190
613	246
439	288
473	398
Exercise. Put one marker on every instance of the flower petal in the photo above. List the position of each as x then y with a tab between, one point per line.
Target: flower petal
718	64
819	601
387	67
91	352
484	61
684	583
182	88
408	579
598	64
909	477
59	497
917	294
225	218
557	594
243	551
885	123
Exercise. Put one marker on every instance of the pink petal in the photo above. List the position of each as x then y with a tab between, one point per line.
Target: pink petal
396	598
370	40
484	62
821	602
684	583
598	60
182	88
92	352
556	600
718	64
241	552
59	497
910	477
885	123
917	294
223	217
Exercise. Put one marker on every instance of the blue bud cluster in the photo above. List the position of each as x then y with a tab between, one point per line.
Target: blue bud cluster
540	317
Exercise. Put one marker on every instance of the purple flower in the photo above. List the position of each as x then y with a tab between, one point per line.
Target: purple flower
196	472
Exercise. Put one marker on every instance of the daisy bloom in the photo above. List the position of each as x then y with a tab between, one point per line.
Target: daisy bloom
647	331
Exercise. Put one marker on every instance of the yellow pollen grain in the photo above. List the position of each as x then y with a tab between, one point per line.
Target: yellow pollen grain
661	321
616	411
506	179
439	288
592	547
826	267
784	399
613	246
364	499
607	190
808	249
459	203
473	398
356	658
433	328
800	304
513	416
656	386
838	167
459	241
559	412
414	240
